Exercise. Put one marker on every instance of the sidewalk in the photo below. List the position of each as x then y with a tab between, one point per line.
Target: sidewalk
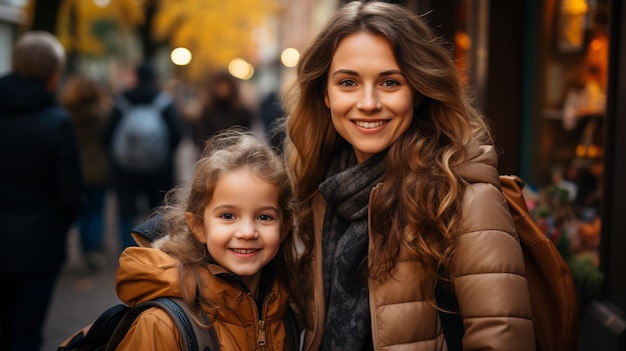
81	296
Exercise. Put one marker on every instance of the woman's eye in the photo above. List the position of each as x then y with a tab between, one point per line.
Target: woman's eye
347	83
390	83
228	216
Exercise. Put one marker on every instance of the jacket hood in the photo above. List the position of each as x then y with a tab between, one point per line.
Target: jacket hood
19	94
481	167
146	273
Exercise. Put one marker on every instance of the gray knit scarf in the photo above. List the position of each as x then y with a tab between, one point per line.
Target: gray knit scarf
344	245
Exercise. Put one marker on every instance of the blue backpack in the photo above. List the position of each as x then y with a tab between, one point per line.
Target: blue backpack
141	140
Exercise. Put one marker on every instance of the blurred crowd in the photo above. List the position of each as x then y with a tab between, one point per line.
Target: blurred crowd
97	113
69	141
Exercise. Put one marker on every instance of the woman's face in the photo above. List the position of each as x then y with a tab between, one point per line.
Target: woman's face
370	101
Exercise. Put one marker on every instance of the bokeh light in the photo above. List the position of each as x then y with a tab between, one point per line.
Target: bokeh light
290	57
181	56
241	69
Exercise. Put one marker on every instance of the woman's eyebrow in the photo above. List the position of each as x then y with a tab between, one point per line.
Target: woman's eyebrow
354	73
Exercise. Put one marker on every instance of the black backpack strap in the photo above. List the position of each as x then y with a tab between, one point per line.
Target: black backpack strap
451	322
195	338
292	332
206	339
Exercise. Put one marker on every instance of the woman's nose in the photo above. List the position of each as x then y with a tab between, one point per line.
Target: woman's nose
369	100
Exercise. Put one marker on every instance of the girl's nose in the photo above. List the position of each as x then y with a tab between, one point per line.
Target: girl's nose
247	231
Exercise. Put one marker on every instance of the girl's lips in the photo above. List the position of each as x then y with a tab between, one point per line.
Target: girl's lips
245	251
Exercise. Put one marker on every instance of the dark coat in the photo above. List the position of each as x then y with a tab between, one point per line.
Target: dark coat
41	181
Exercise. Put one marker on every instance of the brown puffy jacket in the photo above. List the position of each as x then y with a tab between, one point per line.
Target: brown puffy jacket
146	273
489	280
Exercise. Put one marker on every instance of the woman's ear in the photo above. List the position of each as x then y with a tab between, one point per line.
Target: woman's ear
196	226
326	102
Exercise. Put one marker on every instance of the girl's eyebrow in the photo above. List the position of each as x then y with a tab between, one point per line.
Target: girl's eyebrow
354	73
221	207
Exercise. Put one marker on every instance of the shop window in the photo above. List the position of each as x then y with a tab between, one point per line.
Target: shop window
568	202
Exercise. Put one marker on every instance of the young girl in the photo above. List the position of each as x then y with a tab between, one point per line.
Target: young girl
397	188
227	251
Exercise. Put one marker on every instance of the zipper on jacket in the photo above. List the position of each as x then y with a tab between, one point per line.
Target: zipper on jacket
261	339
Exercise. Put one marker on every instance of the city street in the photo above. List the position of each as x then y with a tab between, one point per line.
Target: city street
81	296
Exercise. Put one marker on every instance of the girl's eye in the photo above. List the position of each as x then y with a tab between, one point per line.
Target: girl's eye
228	216
265	217
347	83
390	83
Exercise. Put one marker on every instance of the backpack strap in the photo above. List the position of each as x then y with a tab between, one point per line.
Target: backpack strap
193	335
160	101
122	103
292	333
449	317
206	339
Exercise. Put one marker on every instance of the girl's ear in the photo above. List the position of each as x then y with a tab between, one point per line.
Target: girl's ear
196	226
326	101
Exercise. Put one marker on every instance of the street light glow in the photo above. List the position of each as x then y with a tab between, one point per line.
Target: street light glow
181	56
241	69
102	3
290	57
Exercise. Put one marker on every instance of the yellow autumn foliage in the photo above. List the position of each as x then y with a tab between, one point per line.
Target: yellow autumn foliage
78	21
215	31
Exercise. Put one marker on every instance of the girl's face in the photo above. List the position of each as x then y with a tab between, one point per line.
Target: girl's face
370	101
242	224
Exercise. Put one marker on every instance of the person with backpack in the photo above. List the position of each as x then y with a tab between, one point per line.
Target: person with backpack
224	244
141	137
41	183
398	191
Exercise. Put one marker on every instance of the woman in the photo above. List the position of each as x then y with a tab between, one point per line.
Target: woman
397	186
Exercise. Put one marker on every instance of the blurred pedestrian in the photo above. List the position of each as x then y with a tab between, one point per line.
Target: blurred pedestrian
142	148
222	108
272	113
87	102
41	187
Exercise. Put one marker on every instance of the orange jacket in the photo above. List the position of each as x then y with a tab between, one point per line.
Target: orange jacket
147	273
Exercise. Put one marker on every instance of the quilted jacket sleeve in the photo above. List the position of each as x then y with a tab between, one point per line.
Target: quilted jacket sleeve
489	275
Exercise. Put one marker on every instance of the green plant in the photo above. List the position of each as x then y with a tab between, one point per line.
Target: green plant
587	277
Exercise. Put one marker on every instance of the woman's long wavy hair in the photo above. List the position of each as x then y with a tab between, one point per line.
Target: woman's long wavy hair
224	153
421	196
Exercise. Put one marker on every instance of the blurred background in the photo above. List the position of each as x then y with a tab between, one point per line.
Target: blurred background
549	74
